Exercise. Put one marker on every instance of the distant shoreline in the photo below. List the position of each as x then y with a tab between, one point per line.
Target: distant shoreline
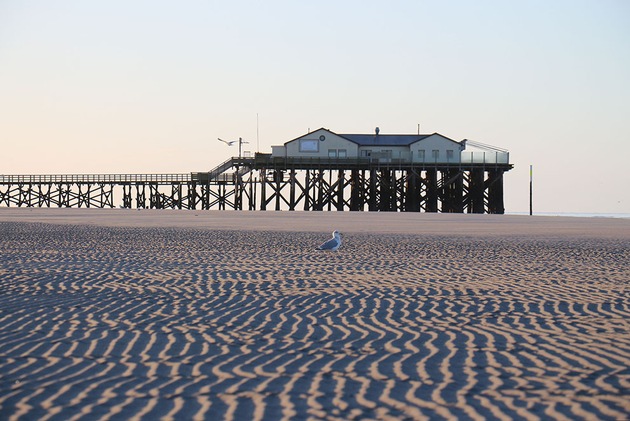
479	225
576	214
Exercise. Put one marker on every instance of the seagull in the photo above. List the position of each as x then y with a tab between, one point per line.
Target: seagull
333	244
229	143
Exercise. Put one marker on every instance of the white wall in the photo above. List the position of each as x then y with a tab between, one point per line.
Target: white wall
439	143
279	151
379	152
331	141
314	147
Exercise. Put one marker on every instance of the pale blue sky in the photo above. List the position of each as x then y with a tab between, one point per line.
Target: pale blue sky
148	86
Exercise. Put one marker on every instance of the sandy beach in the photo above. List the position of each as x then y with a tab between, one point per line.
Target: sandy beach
159	314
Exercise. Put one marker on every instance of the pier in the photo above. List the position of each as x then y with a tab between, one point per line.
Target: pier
264	182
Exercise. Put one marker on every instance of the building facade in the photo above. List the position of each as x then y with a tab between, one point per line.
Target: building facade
376	147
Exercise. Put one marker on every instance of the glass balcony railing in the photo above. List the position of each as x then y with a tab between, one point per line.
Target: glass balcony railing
485	157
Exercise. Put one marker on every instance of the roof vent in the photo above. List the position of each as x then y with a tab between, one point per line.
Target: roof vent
377	130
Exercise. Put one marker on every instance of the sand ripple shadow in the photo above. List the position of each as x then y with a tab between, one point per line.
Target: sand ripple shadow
181	323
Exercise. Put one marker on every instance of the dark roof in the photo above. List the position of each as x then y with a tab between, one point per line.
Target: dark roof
384	139
378	140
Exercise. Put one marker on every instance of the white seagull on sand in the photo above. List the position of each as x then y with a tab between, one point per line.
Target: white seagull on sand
333	244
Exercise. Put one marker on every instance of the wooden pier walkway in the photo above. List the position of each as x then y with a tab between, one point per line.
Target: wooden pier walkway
265	183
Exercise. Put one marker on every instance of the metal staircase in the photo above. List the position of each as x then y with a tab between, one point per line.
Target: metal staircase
219	173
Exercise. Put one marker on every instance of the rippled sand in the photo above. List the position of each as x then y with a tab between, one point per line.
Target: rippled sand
475	318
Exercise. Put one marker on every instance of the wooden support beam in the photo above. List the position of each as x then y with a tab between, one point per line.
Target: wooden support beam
252	193
278	176
263	189
400	182
448	188
126	188
319	203
476	191
451	188
373	200
432	190
63	191
495	191
356	187
414	191
292	182
191	197
140	196
5	195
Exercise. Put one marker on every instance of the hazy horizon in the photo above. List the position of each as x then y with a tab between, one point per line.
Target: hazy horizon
147	87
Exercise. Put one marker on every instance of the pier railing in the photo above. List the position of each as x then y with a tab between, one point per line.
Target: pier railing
475	158
95	178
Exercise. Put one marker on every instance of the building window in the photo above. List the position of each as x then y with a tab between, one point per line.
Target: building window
366	153
332	153
309	145
435	154
449	155
421	155
342	153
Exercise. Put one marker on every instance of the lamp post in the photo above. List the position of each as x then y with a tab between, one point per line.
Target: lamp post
231	142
